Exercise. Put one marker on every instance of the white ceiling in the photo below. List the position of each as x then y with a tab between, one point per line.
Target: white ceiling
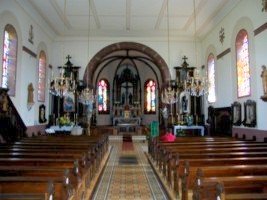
133	18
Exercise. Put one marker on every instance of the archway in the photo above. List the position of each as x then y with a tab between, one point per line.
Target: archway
97	59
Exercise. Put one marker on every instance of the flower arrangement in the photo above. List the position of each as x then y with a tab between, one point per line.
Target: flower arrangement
65	121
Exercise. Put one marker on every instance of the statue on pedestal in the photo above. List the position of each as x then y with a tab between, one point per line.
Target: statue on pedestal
264	81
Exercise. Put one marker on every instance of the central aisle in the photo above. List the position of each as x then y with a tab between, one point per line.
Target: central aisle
128	174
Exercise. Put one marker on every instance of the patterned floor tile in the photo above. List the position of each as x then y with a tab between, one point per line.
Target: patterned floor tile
128	175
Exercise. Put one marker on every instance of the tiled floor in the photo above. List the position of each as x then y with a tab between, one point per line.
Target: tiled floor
128	175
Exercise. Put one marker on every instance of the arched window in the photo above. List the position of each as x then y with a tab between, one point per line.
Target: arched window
242	64
150	97
41	76
9	60
211	78
103	97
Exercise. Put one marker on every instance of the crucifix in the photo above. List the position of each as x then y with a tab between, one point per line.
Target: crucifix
127	97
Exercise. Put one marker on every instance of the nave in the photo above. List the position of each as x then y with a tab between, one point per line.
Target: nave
128	174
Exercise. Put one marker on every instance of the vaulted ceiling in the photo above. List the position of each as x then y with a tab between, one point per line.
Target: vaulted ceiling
133	18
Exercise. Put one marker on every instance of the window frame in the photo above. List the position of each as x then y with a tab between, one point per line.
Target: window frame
145	97
209	65
41	83
107	96
239	45
10	82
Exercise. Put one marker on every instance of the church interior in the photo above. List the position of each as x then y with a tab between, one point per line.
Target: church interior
133	100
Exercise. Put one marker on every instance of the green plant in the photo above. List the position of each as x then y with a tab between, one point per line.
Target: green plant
180	132
65	121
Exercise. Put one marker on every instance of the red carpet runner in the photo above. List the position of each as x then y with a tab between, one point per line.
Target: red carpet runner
127	144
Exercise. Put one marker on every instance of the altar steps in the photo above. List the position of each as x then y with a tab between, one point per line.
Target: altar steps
134	137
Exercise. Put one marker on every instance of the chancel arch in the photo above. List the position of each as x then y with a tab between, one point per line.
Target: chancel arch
126	66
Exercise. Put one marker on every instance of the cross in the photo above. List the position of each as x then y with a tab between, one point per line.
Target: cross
68	57
184	58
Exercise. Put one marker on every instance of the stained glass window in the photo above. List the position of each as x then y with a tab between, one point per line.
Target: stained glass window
150	97
41	76
211	78
9	60
103	97
242	64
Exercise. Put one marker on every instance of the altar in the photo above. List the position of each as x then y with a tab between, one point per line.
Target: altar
131	124
118	121
181	127
72	130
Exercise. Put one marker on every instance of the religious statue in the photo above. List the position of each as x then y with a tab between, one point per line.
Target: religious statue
30	101
264	81
4	103
165	114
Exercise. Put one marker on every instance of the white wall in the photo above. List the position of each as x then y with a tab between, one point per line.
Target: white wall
78	49
247	12
11	12
248	15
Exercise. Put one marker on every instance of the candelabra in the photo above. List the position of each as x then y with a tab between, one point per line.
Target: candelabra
87	98
170	96
66	82
196	85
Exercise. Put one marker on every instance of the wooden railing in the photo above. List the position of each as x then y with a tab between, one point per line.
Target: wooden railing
12	127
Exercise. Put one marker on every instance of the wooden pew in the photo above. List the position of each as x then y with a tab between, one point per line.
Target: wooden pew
189	146
192	173
38	185
172	149
46	156
23	196
169	161
68	176
156	143
230	187
46	195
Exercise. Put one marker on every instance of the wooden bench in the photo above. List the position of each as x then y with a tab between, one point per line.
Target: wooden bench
68	175
173	155
192	173
168	161
173	148
230	187
24	196
46	157
39	185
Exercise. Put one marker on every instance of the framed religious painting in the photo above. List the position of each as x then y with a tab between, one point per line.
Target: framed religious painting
42	118
184	103
68	103
236	113
250	113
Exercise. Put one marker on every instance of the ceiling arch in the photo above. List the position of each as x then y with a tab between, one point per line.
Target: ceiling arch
98	59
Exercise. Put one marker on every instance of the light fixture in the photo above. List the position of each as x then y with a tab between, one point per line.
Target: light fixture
66	82
87	96
196	84
264	6
169	94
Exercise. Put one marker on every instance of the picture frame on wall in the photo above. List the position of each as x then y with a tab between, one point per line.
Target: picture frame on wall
42	117
250	113
236	113
184	103
68	103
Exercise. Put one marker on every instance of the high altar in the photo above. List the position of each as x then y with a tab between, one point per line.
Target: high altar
127	109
